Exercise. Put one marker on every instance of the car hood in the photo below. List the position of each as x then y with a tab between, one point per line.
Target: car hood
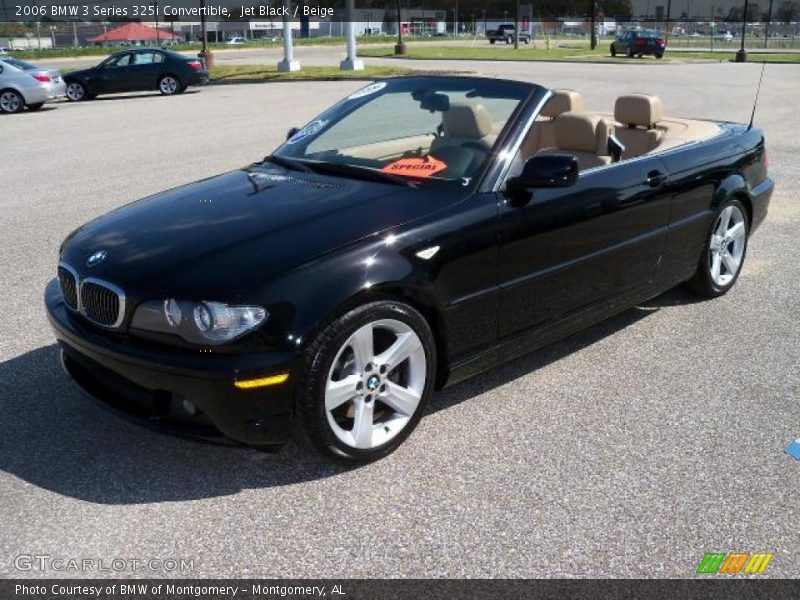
219	237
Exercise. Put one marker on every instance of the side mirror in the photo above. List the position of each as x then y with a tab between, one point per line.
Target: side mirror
546	171
291	132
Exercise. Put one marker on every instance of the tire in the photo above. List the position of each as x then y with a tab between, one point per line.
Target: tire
35	106
491	41
630	52
76	91
613	50
659	56
527	40
169	85
11	102
372	418
724	251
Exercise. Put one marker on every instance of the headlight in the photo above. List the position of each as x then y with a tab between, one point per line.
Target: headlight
199	322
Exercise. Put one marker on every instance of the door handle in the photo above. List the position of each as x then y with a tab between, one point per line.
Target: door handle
655	179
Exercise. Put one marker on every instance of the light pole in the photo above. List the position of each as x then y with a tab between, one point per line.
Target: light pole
351	63
399	47
741	55
766	27
205	53
158	33
516	25
288	63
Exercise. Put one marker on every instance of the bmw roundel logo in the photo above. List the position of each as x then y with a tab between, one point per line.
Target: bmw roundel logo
96	258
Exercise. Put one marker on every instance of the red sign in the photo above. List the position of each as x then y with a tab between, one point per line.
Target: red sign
415	167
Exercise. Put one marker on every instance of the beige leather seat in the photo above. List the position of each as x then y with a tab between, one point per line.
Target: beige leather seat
543	132
638	115
583	136
469	124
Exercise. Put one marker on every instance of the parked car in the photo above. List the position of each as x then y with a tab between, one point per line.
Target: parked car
236	41
365	262
136	70
25	85
638	42
505	33
723	36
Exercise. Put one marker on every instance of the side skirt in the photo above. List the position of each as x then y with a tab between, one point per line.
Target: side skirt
528	341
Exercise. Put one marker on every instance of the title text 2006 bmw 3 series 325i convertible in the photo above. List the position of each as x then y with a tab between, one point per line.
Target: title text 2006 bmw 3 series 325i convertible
417	233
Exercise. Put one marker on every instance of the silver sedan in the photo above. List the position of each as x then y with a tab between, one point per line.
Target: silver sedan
23	84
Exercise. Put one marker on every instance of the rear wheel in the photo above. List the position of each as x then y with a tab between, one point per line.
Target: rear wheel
659	55
76	91
169	85
35	106
491	41
368	377
11	101
630	52
724	252
613	50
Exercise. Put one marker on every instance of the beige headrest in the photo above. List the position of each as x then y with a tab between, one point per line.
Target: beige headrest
638	109
576	131
467	120
563	101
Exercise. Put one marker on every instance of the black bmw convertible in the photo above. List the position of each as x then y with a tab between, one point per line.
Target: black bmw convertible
418	232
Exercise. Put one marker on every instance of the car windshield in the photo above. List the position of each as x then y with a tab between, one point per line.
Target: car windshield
20	64
410	129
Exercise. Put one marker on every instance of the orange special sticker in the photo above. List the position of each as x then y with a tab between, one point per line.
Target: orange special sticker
415	167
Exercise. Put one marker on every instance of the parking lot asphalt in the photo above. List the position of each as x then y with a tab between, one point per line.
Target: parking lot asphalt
629	450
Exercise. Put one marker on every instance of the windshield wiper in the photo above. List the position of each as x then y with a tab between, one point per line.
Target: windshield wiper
288	163
358	172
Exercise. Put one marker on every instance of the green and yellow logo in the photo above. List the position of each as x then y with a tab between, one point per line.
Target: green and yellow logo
734	562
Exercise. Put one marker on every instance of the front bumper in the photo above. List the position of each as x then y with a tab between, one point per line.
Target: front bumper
154	386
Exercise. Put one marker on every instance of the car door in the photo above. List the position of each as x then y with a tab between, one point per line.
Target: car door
569	250
115	74
145	69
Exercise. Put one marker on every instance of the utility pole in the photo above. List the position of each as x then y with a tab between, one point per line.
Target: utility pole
741	55
75	34
516	25
593	43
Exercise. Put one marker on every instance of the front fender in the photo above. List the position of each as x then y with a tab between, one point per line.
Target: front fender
328	286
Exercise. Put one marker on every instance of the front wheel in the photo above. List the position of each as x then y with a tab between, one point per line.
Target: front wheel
367	379
613	50
11	102
723	253
169	85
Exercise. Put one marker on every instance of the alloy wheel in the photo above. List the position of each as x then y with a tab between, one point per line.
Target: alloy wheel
375	384
727	246
168	85
75	92
10	101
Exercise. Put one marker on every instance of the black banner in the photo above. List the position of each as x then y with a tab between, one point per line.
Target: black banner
348	589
